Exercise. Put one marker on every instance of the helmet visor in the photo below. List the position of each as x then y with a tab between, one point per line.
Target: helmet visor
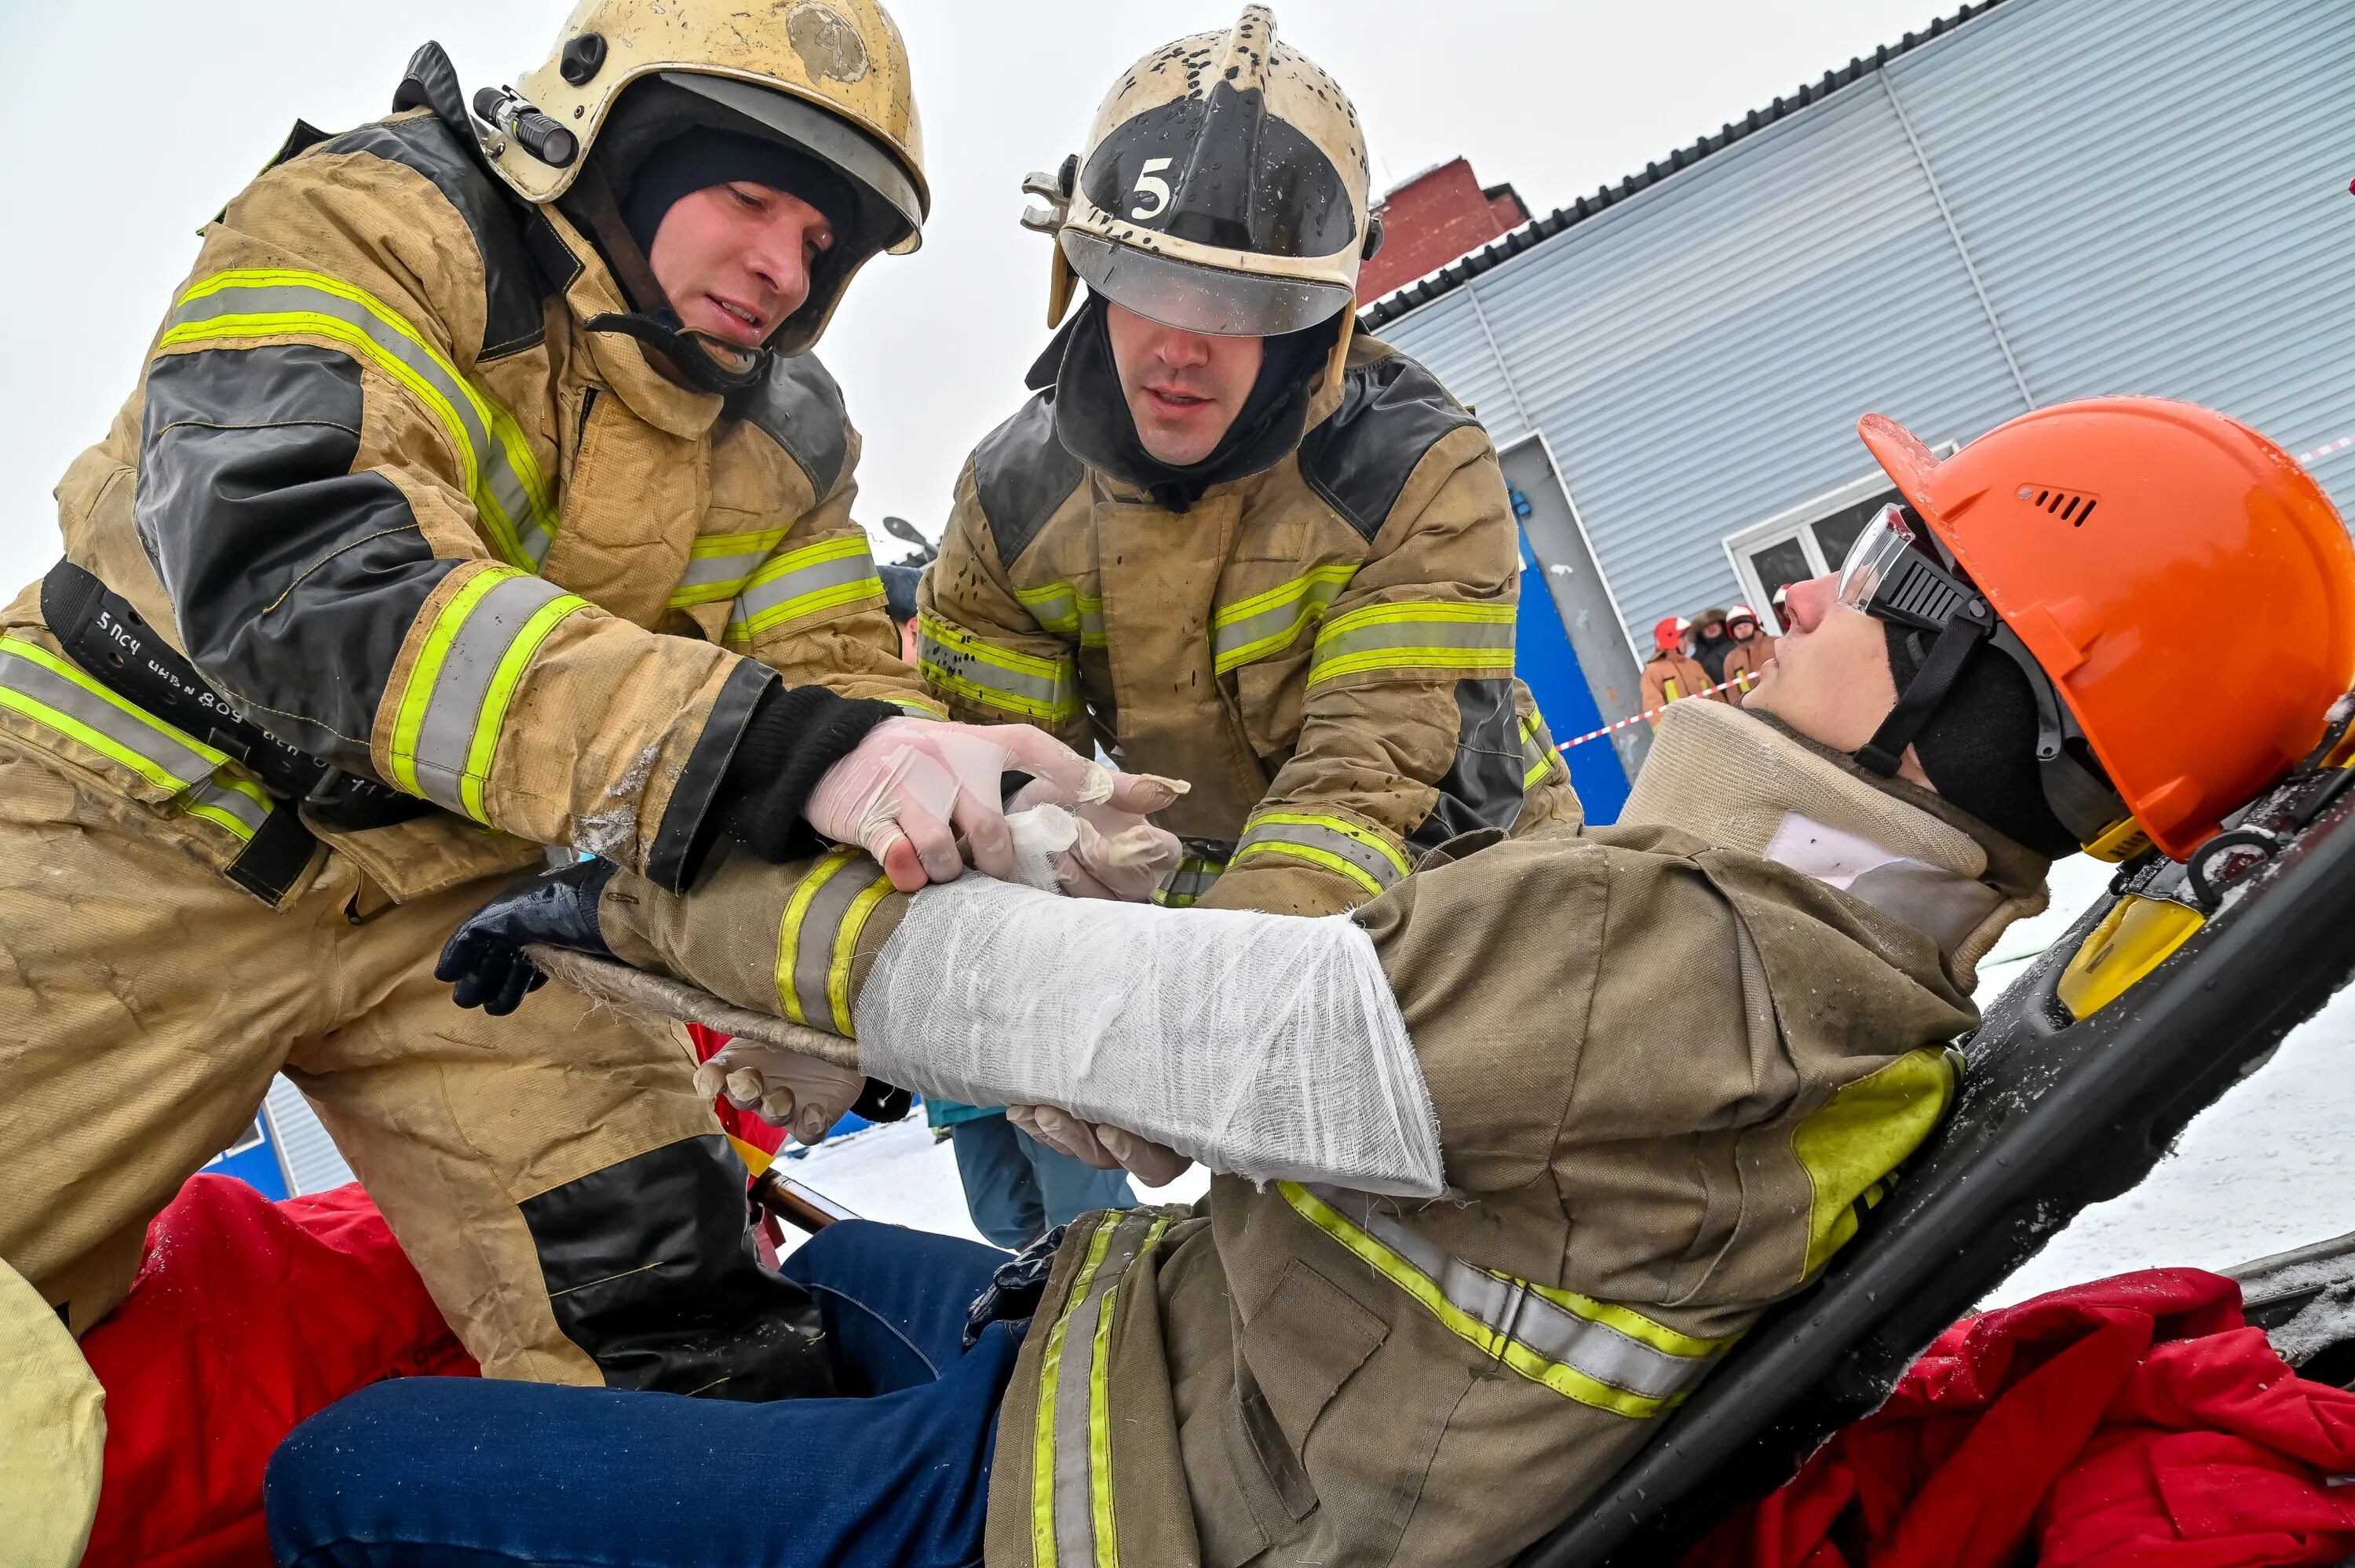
829	136
1873	558
1195	297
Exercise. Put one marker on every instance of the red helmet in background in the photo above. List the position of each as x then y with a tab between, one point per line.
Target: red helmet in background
2184	584
1668	636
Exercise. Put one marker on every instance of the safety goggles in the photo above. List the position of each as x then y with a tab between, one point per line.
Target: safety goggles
1894	573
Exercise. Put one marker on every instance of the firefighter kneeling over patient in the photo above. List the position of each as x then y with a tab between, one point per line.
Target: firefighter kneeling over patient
1494	1189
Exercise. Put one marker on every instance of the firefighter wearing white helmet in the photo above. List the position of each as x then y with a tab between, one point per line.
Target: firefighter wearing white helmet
1227	540
478	499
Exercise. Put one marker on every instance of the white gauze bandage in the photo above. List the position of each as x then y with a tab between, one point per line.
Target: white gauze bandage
1266	1046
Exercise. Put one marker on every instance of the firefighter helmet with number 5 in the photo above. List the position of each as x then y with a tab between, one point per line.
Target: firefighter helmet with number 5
1223	190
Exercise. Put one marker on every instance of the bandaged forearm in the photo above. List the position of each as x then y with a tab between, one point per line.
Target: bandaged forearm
1264	1046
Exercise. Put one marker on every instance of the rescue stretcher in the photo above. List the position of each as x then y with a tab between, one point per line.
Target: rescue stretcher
2178	983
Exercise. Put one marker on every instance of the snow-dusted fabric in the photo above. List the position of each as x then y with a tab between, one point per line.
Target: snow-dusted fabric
1265	1047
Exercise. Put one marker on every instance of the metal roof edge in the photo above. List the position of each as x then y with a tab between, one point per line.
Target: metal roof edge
1447	279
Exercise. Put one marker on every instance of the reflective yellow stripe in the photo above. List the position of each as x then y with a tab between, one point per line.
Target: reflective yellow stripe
789	931
1535	743
1602	1355
511	496
1265	623
1365	857
56	694
845	948
803	582
960	664
1061	608
1194	876
920	707
451	711
720	565
1440	636
1050	1375
1100	1432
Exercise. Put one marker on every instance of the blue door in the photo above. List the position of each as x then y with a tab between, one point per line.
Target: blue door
1543	659
252	1160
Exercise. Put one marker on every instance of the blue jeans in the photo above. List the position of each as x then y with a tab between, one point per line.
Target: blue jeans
1015	1187
462	1473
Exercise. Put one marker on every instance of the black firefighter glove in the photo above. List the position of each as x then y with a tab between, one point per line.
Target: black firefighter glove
483	959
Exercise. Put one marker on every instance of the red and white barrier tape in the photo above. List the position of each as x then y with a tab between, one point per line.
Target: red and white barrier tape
1647	713
2307	459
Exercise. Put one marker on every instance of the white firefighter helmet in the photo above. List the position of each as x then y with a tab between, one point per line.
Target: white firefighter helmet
1223	190
829	78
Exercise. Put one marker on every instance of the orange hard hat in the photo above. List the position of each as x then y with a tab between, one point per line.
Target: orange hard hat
2108	533
1669	635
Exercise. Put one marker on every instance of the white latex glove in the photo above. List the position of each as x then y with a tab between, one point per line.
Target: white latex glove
913	787
1116	853
1099	1146
803	1095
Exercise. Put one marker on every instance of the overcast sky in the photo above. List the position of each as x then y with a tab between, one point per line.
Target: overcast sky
133	123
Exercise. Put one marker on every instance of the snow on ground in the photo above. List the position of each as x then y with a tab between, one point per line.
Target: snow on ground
2269	1167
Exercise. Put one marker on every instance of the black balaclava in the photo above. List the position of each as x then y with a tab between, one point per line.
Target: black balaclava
1979	746
701	157
1093	421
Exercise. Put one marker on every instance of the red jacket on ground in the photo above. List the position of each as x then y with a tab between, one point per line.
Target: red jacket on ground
2133	1421
246	1316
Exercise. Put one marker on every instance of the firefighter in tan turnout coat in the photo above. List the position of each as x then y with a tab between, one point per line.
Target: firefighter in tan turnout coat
1307	612
437	532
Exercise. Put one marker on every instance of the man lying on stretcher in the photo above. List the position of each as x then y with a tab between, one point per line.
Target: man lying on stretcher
1506	1159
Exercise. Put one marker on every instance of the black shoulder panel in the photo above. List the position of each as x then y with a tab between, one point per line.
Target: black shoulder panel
1393	412
1023	473
799	408
512	322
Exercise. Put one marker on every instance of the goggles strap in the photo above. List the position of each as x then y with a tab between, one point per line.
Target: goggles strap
1921	699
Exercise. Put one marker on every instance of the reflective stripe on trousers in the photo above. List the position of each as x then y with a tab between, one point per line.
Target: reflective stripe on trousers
1599	1354
1362	855
1267	623
959	664
818	938
454	705
809	580
1072	1522
1442	638
720	565
510	495
49	689
1061	609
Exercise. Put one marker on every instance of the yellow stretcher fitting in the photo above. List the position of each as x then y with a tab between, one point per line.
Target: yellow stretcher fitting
2133	939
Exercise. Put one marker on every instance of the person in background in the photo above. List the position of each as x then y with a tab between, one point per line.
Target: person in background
1782	608
1016	1188
1752	647
1710	641
1669	673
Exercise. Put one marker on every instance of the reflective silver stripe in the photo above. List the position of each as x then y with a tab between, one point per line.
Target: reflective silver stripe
1362	855
1193	876
1268	623
481	640
959	664
809	580
46	688
1070	1494
819	935
1597	1352
721	565
1537	756
1423	635
1061	608
502	476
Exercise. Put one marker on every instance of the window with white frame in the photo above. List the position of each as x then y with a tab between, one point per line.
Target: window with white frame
1807	540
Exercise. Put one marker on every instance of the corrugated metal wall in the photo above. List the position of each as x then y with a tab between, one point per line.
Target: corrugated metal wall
2151	193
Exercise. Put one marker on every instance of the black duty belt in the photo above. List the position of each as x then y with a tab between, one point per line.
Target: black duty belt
115	646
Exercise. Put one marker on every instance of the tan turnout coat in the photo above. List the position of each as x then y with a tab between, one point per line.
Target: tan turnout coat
1640	1160
1323	650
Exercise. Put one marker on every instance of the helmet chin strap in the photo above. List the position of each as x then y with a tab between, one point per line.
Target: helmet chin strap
1918	703
677	351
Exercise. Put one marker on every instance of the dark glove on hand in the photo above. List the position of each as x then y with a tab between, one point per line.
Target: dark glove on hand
795	735
483	958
